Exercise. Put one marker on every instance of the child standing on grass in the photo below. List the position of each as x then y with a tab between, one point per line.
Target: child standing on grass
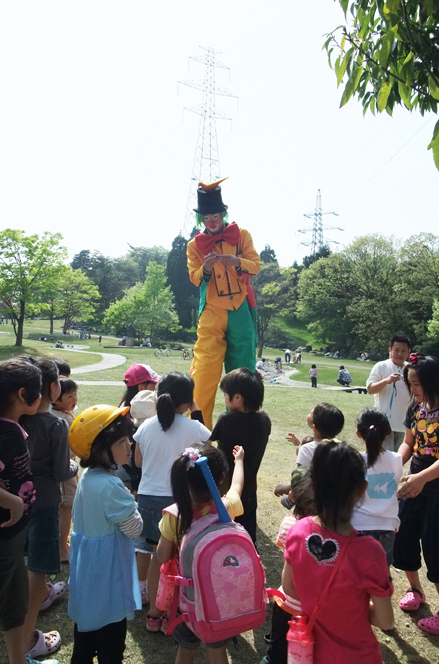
191	493
141	396
160	440
377	512
247	426
50	465
63	408
419	504
359	594
104	592
326	422
313	375
302	501
20	385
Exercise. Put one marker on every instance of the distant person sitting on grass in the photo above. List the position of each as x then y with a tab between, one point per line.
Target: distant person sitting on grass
344	377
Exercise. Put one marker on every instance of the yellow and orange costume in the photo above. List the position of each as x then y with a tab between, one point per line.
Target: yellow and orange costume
227	315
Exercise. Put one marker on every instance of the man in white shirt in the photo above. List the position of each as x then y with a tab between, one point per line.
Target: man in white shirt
390	392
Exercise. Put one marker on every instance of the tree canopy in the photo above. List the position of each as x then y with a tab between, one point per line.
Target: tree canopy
27	264
148	306
388	55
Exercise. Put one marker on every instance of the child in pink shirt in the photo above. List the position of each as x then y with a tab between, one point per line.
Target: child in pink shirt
360	592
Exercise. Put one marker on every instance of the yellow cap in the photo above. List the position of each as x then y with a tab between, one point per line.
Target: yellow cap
88	424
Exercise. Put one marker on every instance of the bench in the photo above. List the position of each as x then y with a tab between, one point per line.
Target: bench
359	389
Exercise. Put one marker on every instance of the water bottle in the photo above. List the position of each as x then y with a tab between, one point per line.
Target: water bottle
300	642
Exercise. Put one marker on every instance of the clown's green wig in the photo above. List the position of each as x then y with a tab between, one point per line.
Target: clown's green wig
199	219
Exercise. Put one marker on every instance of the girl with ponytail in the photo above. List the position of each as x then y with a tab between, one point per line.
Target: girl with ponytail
376	514
160	440
193	499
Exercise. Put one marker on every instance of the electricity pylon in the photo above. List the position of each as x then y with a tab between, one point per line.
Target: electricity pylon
206	162
317	239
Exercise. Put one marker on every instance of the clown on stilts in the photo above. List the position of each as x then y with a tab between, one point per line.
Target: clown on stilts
221	261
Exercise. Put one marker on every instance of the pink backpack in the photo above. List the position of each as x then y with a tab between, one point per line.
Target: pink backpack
220	586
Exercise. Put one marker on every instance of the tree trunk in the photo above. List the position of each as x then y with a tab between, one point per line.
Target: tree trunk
20	321
261	343
51	319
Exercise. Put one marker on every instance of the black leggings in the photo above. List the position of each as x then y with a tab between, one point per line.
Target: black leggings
108	643
277	652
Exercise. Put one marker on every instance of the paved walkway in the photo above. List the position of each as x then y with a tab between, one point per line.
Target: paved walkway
109	361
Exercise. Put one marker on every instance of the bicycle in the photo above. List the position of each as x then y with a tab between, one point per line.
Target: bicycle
163	351
188	353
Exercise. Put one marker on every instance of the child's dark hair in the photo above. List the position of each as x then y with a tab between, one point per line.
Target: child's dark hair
400	339
67	386
373	427
49	372
129	395
327	419
174	390
313	366
246	383
120	427
302	496
187	476
63	367
305	440
15	374
427	371
338	473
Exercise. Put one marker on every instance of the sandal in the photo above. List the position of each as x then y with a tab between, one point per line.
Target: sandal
57	590
46	644
430	625
412	600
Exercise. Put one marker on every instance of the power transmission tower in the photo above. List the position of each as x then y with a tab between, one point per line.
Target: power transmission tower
206	162
318	240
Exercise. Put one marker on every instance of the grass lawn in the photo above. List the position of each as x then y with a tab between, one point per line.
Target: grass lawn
287	407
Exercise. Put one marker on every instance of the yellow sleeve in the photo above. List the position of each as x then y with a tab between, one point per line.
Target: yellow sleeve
233	504
195	263
168	526
250	261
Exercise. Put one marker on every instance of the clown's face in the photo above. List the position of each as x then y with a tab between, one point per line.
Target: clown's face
213	223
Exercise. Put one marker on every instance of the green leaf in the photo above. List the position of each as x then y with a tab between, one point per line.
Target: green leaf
393	5
386	47
372	105
434	87
408	68
356	76
342	68
404	92
344	5
434	145
383	95
343	42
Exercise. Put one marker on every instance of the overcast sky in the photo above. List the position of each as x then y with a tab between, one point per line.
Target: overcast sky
94	142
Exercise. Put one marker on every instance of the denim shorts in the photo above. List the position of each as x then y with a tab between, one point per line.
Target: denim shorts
42	545
151	508
386	538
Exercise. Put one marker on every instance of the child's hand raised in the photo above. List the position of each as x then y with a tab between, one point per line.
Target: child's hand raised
238	453
292	438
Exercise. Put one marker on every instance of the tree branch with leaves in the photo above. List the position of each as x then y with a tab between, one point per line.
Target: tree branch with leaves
393	56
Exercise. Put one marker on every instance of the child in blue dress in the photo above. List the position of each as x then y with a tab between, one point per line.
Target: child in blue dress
103	585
